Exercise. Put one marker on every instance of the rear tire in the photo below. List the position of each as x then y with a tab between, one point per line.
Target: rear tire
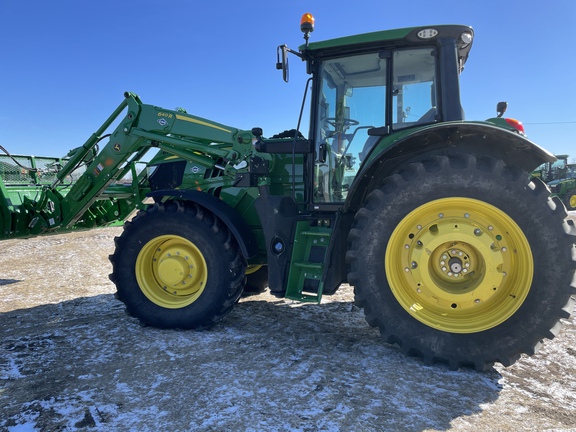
457	260
177	266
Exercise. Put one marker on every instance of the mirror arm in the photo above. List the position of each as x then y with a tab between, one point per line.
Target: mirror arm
296	53
291	51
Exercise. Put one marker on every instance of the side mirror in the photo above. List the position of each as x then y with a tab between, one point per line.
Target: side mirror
282	62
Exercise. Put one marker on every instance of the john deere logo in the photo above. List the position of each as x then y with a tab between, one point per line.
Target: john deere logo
117	147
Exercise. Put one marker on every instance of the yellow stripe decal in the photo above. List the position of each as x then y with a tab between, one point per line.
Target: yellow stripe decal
200	122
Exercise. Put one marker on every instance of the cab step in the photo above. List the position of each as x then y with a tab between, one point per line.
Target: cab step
305	280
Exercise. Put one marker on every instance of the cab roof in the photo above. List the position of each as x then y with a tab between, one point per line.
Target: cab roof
404	37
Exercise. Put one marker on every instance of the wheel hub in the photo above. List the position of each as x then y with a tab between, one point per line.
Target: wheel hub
171	271
173	268
454	262
455	266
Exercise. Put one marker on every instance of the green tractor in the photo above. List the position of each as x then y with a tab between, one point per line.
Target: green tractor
564	187
561	179
454	252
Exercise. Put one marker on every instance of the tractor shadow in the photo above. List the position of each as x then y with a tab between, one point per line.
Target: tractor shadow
269	365
8	281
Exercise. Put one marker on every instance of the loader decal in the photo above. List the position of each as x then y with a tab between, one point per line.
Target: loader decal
200	122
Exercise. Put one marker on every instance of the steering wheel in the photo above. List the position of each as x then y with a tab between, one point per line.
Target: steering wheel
345	122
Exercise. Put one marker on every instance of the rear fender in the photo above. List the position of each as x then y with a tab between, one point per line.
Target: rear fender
228	215
480	139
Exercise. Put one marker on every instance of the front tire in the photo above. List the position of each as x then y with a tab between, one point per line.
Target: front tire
177	266
457	260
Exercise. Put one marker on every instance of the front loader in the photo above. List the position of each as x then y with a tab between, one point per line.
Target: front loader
454	252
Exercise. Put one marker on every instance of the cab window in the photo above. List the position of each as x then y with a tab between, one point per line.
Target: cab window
414	91
351	99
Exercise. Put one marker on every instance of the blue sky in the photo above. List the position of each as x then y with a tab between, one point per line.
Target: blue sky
66	63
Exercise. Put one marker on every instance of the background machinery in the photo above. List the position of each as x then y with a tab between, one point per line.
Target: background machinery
560	176
453	251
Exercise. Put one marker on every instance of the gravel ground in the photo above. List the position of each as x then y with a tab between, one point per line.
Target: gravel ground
71	359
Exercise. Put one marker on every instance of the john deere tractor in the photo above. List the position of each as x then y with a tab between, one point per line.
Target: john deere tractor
454	252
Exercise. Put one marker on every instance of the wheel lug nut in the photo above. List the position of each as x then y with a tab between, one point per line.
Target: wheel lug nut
478	232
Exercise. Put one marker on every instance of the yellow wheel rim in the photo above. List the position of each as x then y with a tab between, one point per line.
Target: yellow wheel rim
573	201
459	265
171	271
252	268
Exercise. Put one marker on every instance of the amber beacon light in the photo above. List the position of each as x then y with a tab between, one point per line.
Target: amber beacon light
307	25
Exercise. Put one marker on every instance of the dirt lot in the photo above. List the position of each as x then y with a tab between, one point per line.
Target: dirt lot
71	359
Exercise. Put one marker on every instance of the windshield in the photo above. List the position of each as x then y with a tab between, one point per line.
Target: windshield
352	99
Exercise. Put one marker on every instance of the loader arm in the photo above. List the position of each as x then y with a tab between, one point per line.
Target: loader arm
97	198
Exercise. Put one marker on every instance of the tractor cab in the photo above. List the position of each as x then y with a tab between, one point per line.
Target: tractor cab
376	85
